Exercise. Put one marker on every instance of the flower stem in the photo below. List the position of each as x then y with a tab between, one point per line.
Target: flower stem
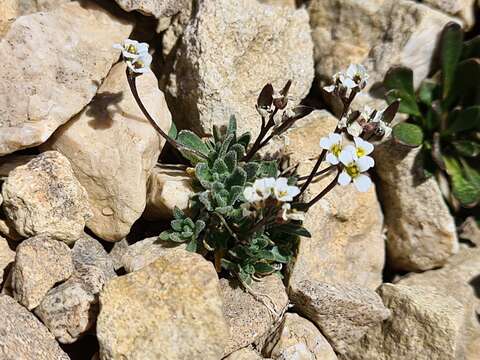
257	145
324	192
176	145
318	173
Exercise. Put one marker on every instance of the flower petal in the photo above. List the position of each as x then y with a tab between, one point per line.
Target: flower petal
346	156
362	182
330	88
325	143
335	138
344	178
355	129
331	159
364	163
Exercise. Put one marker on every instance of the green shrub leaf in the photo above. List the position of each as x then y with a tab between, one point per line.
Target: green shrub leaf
466	119
451	45
408	134
465	182
467	148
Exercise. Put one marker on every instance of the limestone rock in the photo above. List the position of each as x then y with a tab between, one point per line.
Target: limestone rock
300	339
343	313
113	148
70	309
290	3
228	52
88	252
116	254
459	278
8	230
249	319
377	33
177	296
6	257
421	232
425	324
244	354
145	252
10	162
22	336
347	244
167	188
464	9
44	197
39	91
40	263
157	8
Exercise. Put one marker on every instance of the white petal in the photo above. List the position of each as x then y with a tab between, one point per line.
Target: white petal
352	149
330	88
351	70
362	182
388	131
331	159
342	123
365	163
344	178
346	157
335	138
325	143
355	129
249	194
364	145
281	183
349	83
270	182
293	191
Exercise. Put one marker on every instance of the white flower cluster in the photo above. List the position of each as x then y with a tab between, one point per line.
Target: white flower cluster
354	78
136	55
353	159
278	189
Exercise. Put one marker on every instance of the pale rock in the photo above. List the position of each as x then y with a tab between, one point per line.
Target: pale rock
244	354
146	251
300	339
347	244
166	189
6	257
156	8
88	252
464	9
250	320
10	162
39	91
44	197
290	3
70	309
40	263
460	279
343	313
424	324
376	33
116	254
470	230
228	52
7	230
23	337
421	232
113	148
177	296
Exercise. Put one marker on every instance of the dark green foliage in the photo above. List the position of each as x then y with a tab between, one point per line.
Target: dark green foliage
445	114
239	243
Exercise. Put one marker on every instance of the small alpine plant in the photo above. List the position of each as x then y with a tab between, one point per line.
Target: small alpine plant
247	213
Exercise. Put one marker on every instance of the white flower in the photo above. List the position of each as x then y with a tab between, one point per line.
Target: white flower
289	214
136	55
251	195
355	129
140	64
362	147
354	167
131	48
329	88
283	191
332	143
355	76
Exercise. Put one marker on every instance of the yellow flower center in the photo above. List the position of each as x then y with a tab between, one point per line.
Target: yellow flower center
336	149
131	49
138	64
352	170
282	193
360	152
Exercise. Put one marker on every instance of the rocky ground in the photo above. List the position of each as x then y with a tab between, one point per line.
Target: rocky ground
87	185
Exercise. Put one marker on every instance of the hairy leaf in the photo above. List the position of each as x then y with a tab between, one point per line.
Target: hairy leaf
408	134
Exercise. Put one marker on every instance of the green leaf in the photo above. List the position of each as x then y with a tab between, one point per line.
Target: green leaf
467	148
293	229
217	134
204	198
466	119
177	225
268	169
234	194
251	170
244	139
408	134
192	245
264	268
408	104
463	188
204	175
451	44
231	160
220	167
175	238
226	145
192	141
426	92
165	235
239	149
465	88
178	214
199	227
186	234
399	80
173	131
471	48
237	178
232	126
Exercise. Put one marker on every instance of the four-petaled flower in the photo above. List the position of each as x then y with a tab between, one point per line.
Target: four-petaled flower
261	190
136	55
353	169
361	149
283	191
332	143
355	76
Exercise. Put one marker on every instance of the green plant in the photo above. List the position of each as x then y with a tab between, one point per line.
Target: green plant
444	115
247	213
